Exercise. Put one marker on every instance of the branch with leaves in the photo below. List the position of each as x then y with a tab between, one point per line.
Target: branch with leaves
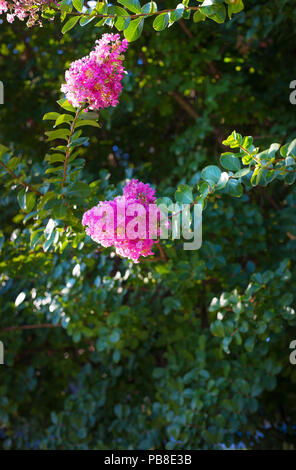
246	168
130	19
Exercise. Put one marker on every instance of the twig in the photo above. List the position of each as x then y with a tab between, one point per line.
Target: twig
235	331
30	327
25	185
137	15
249	153
269	199
184	104
162	252
185	29
266	167
68	143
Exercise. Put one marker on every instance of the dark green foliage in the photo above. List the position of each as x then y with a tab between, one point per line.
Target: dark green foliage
188	349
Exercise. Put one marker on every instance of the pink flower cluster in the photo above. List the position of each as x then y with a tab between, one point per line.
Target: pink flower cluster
22	9
124	222
95	80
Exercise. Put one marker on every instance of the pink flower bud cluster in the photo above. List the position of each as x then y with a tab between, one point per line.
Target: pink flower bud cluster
23	9
95	80
125	222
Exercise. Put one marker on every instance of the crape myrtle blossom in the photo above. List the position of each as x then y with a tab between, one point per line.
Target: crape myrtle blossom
95	80
24	9
129	222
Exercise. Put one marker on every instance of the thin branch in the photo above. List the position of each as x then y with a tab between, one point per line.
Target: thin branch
30	327
68	145
269	199
266	167
248	153
162	252
25	185
134	16
185	29
235	331
150	259
184	104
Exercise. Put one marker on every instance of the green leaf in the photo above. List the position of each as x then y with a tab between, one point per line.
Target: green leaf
268	155
118	411
225	343
250	343
60	211
211	174
217	328
286	299
49	229
290	161
229	161
48	13
292	148
134	30
132	5
65	321
84	20
79	141
66	6
86	122
50	116
115	336
70	24
101	22
214	11
161	21
78	4
58	134
290	178
55	157
63	118
80	190
186	14
198	16
64	103
204	189
30	201
21	197
234	188
247	159
122	23
288	149
55	169
183	195
3	150
29	216
177	13
149	8
118	11
36	238
234	6
222	181
102	7
13	163
256	176
89	115
234	140
241	173
164	200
